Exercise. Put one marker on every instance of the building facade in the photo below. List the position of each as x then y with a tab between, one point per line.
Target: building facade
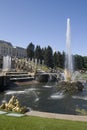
19	52
6	48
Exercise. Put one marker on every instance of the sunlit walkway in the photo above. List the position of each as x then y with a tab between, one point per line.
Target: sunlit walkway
57	116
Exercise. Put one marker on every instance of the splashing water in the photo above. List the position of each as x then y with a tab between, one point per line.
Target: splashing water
6	63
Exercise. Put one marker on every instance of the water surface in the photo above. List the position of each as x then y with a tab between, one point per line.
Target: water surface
45	97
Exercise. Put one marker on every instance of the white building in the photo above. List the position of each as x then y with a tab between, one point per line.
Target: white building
6	48
19	52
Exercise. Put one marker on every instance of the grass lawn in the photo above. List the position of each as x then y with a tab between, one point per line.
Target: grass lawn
37	123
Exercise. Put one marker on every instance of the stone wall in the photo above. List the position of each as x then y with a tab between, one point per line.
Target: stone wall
4	82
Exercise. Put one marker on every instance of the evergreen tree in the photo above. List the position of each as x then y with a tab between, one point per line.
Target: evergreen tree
43	51
63	60
85	62
30	51
48	59
79	62
55	58
59	59
38	53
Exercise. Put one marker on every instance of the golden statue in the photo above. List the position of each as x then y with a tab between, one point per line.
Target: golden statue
13	105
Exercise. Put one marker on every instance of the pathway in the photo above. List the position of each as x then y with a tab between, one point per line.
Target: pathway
57	116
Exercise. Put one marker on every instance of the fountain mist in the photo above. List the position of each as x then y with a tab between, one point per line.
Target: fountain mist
68	57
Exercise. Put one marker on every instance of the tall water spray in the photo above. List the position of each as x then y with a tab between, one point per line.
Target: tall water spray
68	57
6	63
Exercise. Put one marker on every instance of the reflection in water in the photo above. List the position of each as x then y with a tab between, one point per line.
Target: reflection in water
45	97
80	97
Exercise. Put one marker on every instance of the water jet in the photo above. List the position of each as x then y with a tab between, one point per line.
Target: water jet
69	85
68	56
6	63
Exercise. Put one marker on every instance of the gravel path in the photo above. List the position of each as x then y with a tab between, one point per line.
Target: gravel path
57	116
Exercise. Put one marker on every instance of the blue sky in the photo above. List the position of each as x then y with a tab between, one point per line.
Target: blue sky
43	22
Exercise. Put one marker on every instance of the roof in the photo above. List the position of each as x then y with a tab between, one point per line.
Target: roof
2	42
20	47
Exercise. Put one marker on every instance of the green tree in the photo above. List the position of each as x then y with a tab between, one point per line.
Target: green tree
59	59
48	59
38	53
55	58
85	62
30	51
79	62
63	60
43	50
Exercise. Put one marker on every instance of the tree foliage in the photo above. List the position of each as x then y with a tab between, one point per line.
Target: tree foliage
38	53
48	58
30	50
56	59
79	62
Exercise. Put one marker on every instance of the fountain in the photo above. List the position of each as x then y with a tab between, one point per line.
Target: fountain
69	85
4	79
60	97
68	57
6	63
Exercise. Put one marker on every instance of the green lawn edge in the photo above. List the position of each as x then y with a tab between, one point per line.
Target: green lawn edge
38	123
